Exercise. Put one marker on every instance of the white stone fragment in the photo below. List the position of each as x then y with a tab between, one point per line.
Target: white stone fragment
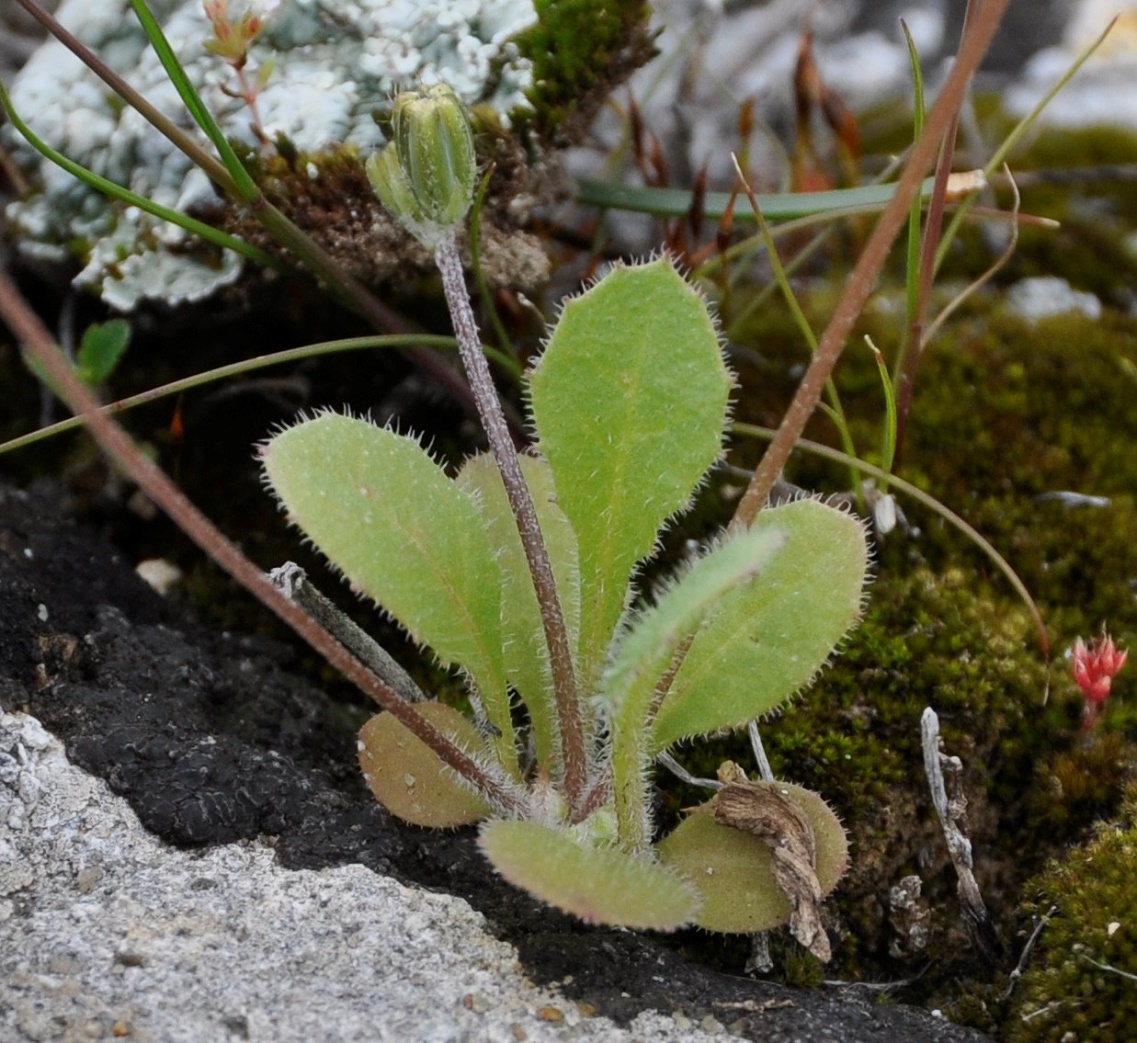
1047	295
162	575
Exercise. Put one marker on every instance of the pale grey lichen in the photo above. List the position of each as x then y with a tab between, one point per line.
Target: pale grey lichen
337	64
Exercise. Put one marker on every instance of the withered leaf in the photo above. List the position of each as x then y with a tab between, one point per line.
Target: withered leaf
762	809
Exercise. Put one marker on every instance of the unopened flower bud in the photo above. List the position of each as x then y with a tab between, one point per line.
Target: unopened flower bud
427	174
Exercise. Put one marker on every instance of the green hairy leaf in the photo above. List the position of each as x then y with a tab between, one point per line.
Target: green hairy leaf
407	777
629	400
402	533
599	885
766	640
522	634
648	652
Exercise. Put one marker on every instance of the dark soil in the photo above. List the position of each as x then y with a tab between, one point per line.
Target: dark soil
212	740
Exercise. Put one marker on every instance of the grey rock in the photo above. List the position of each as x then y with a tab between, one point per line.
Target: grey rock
101	926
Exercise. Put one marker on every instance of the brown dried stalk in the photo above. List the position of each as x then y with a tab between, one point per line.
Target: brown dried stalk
862	279
115	442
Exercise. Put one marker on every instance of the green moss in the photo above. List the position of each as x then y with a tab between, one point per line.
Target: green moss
1006	412
581	50
1080	984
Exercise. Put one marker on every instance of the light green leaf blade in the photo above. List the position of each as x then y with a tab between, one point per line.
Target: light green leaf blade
657	633
100	350
598	885
649	651
731	870
407	777
765	641
402	533
523	637
629	401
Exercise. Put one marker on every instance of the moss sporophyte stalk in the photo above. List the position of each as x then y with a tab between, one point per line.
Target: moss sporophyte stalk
518	571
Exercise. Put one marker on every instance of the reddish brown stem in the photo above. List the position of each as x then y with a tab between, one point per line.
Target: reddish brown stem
863	277
347	287
157	485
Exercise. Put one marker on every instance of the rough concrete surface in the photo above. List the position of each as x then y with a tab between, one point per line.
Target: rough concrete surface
106	932
253	895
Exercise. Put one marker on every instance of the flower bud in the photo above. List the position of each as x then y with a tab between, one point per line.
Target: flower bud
427	174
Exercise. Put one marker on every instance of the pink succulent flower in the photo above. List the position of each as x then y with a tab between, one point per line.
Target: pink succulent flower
1094	667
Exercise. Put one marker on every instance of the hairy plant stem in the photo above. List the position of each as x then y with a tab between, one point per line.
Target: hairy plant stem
346	287
573	752
862	279
39	343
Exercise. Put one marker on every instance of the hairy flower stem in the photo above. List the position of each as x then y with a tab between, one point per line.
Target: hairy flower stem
115	442
862	279
573	753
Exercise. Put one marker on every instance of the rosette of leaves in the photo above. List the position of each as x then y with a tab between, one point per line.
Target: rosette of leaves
629	402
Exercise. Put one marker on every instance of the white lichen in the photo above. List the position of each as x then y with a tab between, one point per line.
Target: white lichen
337	64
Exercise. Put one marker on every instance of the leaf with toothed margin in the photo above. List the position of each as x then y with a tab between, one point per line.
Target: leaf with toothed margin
527	662
407	777
732	870
765	641
598	885
402	533
629	400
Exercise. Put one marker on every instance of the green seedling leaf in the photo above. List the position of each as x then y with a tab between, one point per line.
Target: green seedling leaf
732	871
407	777
100	350
765	641
598	885
522	633
649	651
629	401
404	534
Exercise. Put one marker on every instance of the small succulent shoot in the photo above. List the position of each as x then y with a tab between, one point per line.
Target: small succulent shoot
232	36
1094	666
100	350
519	572
231	40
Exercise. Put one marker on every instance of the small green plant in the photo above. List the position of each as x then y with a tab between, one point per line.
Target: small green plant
519	571
101	349
565	729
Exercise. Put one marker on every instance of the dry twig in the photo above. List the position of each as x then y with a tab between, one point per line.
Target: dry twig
952	812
